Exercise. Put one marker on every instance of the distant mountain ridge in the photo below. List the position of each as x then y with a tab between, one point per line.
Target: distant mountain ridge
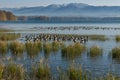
72	9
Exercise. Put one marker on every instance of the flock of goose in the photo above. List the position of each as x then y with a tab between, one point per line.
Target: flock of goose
55	37
77	28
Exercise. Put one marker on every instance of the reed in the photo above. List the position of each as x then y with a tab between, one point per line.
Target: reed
117	38
9	36
95	51
42	71
75	73
16	47
3	47
73	50
55	46
98	37
33	48
1	71
47	47
116	52
13	72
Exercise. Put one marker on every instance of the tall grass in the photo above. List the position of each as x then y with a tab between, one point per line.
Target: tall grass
47	47
117	38
16	47
33	48
116	52
75	73
3	47
9	36
55	46
98	37
73	50
41	71
2	67
13	72
95	51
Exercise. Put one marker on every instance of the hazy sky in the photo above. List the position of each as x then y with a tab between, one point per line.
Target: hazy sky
26	3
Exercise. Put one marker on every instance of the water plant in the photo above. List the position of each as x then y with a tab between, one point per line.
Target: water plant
3	47
9	36
16	47
75	73
1	70
95	50
41	71
98	37
33	48
116	52
55	46
47	47
14	72
117	38
72	50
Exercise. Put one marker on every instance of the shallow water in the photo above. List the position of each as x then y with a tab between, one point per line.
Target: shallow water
99	65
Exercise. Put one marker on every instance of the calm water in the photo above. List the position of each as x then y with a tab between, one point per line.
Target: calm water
34	27
99	65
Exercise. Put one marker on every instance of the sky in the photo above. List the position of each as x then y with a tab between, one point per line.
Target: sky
32	3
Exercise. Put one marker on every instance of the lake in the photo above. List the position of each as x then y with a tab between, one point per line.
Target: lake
100	65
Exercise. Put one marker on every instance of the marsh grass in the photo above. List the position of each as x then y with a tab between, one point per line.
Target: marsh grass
1	70
41	71
9	36
98	37
16	47
116	52
55	46
117	38
33	48
3	47
75	73
47	47
13	72
95	51
73	50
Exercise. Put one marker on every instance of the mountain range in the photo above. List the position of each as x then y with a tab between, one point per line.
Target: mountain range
72	9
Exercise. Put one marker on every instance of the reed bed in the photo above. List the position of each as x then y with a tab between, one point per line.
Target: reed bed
13	72
33	48
3	47
47	47
9	36
98	37
55	46
16	47
95	51
116	52
41	71
73	50
117	38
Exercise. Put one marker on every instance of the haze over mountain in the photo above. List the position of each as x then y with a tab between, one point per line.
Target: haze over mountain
72	9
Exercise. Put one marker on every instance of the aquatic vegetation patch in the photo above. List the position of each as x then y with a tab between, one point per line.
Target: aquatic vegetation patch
117	38
3	47
116	52
47	47
41	71
16	47
9	36
13	72
72	50
33	48
95	51
55	46
98	37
